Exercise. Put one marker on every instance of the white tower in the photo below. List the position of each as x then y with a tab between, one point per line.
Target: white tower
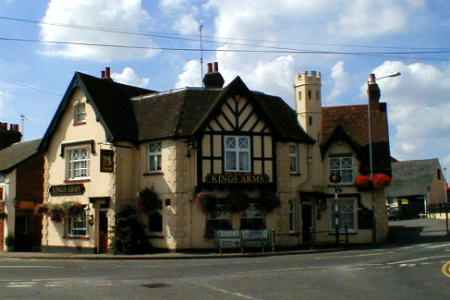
308	102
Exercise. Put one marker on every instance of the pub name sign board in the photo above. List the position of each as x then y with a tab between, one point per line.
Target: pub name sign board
236	178
67	190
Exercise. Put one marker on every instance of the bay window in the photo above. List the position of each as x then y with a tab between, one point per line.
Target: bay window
237	154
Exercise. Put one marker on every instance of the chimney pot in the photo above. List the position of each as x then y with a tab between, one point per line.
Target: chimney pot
108	73
216	67
210	67
372	79
103	74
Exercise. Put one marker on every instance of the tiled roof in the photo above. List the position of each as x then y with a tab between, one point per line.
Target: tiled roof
353	121
13	155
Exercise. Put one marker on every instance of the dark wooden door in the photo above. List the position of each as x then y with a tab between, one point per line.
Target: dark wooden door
103	232
307	223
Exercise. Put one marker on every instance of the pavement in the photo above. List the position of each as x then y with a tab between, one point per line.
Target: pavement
419	270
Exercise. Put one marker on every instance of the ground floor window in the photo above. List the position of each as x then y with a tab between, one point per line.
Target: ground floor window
218	219
253	218
77	225
344	214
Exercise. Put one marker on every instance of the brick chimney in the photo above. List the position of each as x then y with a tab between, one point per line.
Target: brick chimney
213	79
106	73
373	92
9	134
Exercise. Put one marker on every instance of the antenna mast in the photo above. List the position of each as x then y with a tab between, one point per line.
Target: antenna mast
201	51
22	121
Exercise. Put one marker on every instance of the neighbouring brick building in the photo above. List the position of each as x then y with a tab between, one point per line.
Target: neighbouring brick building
21	185
216	157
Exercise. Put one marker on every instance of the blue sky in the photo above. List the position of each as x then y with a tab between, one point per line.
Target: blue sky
34	76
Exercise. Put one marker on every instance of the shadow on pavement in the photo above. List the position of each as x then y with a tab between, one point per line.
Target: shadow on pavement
418	231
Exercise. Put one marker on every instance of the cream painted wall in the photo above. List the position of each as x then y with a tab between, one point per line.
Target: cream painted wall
99	184
9	195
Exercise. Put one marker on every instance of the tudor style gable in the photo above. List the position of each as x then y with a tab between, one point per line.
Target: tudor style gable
236	142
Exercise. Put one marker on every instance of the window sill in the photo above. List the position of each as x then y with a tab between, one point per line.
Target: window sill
75	237
81	180
343	233
295	174
79	123
158	173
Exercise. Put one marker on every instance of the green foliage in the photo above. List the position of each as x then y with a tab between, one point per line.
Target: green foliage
72	208
57	213
129	233
10	241
269	201
3	215
149	201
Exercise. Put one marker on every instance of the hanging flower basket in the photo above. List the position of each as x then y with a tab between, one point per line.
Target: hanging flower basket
269	201
73	208
377	181
381	180
3	215
149	201
207	201
41	209
57	213
238	201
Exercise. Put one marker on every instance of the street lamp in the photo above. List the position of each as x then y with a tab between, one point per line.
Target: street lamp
374	94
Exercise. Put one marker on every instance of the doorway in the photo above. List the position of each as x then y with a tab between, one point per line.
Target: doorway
307	223
102	232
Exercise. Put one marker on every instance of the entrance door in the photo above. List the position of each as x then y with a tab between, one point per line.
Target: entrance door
23	235
307	223
102	232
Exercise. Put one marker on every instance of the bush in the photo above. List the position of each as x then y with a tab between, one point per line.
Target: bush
129	233
9	241
41	209
57	213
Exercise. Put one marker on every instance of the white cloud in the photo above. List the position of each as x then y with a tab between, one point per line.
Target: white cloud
190	75
172	5
129	76
4	107
123	15
341	80
419	105
186	24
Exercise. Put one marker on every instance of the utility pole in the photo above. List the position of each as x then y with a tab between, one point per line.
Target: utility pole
200	29
22	124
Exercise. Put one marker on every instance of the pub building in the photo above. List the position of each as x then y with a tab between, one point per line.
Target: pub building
214	158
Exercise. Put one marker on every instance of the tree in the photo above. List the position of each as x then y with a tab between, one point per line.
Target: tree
129	233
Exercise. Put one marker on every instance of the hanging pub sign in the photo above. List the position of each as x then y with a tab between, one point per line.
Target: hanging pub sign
67	189
236	178
106	161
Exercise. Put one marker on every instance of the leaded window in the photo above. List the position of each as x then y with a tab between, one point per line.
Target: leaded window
342	166
77	225
78	163
237	154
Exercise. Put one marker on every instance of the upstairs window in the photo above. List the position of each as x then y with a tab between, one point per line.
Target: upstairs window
77	163
80	113
237	154
342	165
293	159
154	157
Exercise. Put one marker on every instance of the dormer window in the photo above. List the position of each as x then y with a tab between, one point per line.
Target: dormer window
80	113
342	165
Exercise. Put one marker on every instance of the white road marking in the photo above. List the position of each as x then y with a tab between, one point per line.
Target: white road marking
438	246
417	259
227	292
407	265
366	254
29	267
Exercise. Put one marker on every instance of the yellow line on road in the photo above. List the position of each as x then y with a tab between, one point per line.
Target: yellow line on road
446	269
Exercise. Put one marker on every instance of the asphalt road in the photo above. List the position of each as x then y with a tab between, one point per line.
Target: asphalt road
401	272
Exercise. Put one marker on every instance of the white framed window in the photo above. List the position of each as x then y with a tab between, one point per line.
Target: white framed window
344	214
253	218
294	167
77	163
342	165
237	153
80	113
77	225
154	157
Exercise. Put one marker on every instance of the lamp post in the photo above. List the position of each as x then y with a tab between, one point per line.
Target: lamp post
373	92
